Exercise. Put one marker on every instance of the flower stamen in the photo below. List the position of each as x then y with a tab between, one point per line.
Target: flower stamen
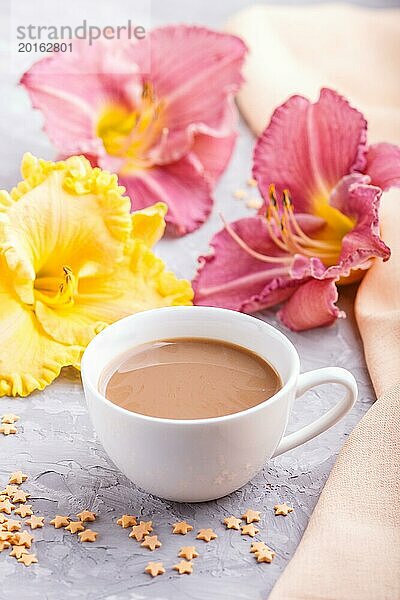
286	233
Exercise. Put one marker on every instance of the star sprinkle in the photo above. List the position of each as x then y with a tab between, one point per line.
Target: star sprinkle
88	535
181	528
86	515
249	530
188	552
140	531
75	526
282	509
13	525
184	567
155	568
5	536
7	429
232	523
2	518
10	490
18	551
35	522
4	545
206	534
251	516
151	542
28	559
10	419
6	507
127	521
20	496
23	539
18	477
24	510
265	556
60	521
258	546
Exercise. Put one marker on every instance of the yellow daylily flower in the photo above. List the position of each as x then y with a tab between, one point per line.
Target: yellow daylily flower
72	260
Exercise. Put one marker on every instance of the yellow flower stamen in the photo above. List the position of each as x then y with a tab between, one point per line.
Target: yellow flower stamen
287	234
129	133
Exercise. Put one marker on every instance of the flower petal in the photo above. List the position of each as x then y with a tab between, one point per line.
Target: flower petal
180	62
383	165
309	147
148	224
63	214
181	185
72	88
312	305
213	153
29	359
196	71
231	278
141	282
360	201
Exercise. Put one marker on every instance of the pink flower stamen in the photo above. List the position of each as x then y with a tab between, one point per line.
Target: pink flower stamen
286	233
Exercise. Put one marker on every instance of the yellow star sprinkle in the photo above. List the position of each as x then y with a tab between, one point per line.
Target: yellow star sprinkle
251	516
18	551
266	555
10	418
9	490
60	521
184	567
258	546
6	429
282	509
28	559
151	542
4	545
249	530
206	534
88	535
181	528
155	568
140	531
18	477
232	523
127	521
188	552
86	515
24	510
23	539
35	522
20	496
13	525
75	526
6	507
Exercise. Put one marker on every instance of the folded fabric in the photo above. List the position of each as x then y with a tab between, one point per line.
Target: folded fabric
299	49
351	547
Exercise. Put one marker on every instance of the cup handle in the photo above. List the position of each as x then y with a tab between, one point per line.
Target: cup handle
309	380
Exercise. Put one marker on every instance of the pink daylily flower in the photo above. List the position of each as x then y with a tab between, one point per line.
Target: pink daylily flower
167	129
322	186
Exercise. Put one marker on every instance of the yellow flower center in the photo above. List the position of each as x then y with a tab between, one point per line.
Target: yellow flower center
325	244
57	291
287	235
130	134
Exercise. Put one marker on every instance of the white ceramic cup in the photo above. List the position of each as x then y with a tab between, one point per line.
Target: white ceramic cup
203	459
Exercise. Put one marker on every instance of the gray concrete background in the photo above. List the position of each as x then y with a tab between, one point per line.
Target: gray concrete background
69	470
